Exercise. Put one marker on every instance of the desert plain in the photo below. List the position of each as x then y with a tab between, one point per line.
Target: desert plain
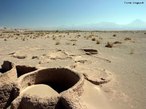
113	63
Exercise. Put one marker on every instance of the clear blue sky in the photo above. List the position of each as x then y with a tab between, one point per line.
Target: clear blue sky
62	13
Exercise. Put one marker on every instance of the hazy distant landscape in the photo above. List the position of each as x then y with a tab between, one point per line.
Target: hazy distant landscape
135	25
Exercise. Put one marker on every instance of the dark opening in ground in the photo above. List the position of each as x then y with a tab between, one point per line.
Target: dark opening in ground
59	79
6	66
21	70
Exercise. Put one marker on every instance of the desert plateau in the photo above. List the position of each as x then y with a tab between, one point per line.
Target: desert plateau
72	69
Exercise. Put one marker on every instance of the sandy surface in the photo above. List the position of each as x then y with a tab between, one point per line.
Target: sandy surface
123	61
40	90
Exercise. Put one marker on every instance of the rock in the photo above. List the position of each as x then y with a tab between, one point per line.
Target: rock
35	57
99	78
90	51
8	92
7	84
20	57
109	45
63	87
34	102
71	101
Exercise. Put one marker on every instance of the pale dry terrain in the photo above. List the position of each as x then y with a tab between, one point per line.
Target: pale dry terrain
113	63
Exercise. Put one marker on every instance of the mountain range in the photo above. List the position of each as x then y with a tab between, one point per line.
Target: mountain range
135	25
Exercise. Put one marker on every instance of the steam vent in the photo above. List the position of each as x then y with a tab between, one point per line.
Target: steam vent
25	87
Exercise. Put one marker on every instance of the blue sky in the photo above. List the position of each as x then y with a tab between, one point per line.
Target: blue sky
68	13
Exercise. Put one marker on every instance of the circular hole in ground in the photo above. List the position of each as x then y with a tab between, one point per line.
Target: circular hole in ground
60	79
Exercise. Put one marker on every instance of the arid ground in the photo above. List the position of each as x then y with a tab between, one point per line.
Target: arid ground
112	62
